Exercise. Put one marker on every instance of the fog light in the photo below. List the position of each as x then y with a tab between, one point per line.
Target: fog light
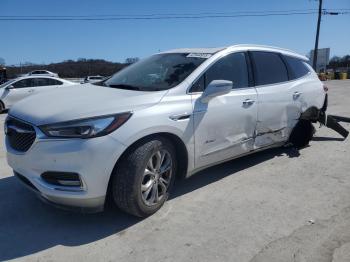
62	179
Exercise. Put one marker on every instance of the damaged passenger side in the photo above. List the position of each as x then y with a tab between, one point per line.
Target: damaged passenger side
304	130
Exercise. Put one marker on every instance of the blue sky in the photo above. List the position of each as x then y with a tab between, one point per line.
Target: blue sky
54	41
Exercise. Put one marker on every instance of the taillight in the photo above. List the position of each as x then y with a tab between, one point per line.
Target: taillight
325	88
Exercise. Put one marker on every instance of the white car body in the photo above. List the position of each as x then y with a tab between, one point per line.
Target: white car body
17	89
230	125
42	73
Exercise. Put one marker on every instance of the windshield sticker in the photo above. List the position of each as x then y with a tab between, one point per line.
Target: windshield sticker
199	55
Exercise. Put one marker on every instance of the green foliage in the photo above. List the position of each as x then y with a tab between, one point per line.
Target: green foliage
337	62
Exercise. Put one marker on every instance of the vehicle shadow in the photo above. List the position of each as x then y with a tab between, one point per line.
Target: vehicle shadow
218	172
28	226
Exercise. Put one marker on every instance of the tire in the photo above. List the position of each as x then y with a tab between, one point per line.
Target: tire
141	182
302	134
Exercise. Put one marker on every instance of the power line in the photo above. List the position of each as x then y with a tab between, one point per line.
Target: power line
2	18
169	16
172	14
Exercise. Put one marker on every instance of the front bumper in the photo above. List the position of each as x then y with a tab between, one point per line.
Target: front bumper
93	159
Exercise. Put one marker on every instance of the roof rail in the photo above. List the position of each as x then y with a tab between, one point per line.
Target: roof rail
264	46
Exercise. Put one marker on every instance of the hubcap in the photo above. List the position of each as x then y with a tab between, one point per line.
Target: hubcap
156	177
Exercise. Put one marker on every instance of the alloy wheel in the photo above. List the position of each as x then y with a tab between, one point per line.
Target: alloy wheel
156	177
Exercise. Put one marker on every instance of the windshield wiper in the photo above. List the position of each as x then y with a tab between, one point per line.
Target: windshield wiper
128	87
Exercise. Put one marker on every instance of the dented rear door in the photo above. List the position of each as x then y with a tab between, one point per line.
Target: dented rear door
278	107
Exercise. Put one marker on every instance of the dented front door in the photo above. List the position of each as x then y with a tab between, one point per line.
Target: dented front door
225	126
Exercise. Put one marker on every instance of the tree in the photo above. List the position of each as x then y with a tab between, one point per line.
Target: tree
335	59
338	62
70	68
131	60
2	61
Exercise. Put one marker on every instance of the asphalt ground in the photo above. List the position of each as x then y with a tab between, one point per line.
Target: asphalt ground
276	205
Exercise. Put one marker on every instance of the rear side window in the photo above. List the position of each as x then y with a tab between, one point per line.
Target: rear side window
41	81
54	82
232	67
297	67
269	68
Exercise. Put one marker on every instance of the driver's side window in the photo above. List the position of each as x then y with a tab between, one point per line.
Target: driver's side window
232	67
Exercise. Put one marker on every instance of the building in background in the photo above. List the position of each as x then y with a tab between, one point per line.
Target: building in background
322	59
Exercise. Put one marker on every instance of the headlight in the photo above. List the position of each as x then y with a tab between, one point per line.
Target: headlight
86	128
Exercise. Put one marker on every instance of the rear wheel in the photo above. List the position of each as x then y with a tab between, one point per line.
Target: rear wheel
144	177
302	134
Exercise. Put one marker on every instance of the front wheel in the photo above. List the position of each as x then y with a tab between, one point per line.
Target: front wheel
144	177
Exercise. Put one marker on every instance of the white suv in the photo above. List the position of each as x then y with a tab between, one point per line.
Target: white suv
168	115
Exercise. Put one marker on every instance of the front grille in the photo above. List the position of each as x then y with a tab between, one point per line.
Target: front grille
20	135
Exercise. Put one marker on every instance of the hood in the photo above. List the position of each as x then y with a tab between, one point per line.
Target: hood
81	101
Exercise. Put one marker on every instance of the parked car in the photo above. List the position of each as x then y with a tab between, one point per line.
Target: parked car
42	73
16	89
92	79
166	116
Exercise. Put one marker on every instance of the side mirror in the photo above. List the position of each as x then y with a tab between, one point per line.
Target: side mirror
216	88
10	87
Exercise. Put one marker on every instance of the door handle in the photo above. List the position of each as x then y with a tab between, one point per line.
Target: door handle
248	102
296	95
31	90
179	117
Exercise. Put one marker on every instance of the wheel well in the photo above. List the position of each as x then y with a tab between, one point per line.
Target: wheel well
310	114
181	154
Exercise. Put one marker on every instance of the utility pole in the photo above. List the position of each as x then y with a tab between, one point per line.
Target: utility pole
317	34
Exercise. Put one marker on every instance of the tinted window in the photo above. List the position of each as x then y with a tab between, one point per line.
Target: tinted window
54	82
24	83
41	82
232	67
269	68
199	85
297	67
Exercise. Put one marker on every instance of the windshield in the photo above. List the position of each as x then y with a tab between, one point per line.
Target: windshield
158	72
7	83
